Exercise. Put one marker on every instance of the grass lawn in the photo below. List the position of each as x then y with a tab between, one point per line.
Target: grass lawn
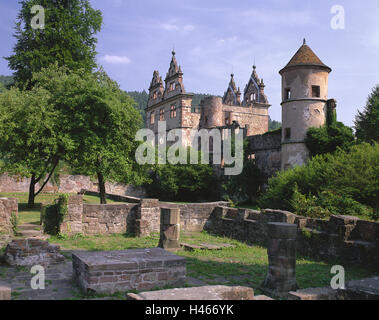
32	216
242	265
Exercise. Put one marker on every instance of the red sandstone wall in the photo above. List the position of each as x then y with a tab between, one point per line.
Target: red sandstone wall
68	184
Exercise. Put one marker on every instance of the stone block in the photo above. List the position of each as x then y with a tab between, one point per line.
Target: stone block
325	293
140	269
197	293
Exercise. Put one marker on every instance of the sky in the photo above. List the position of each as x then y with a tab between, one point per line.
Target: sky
213	38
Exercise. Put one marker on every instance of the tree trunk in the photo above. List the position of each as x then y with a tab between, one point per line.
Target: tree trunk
31	192
100	178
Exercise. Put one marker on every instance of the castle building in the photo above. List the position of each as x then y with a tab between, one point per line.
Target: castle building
305	104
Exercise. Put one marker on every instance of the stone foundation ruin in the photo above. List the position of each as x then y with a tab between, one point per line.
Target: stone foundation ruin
140	269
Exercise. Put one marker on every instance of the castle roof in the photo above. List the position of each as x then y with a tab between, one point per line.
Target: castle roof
305	57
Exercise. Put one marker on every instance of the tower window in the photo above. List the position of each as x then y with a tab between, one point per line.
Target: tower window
152	118
155	95
287	94
161	114
316	91
173	111
172	86
253	97
287	133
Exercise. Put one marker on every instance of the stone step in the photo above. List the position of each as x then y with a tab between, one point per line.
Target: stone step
28	226
30	233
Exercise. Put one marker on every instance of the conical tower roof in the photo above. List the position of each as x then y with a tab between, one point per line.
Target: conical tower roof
305	57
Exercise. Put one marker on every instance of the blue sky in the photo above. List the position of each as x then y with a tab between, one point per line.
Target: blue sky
212	38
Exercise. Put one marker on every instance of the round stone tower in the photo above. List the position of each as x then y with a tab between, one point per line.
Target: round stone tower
211	112
304	103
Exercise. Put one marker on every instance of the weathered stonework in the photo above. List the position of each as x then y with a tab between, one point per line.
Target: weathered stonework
140	269
68	184
349	240
197	293
281	250
148	217
7	207
170	228
29	252
72	223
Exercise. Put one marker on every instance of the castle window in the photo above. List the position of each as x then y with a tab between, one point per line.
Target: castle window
161	115
287	133
152	118
155	95
172	86
253	97
287	94
173	111
316	91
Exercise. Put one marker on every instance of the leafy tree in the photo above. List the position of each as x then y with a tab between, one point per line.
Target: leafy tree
367	122
327	139
68	38
31	143
102	122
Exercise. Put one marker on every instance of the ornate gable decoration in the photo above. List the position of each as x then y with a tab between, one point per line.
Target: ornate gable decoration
156	81
232	94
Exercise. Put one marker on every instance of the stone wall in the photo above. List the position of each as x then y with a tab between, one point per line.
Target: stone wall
141	218
345	239
267	150
68	184
7	207
194	216
108	218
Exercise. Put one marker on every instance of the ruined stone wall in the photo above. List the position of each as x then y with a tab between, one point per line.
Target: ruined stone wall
7	207
108	218
141	218
267	151
347	240
68	184
194	216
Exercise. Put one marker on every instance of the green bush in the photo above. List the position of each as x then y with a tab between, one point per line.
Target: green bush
346	182
245	187
327	139
14	222
182	182
54	214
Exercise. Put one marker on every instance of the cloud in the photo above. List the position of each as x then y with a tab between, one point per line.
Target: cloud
168	26
173	26
116	59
